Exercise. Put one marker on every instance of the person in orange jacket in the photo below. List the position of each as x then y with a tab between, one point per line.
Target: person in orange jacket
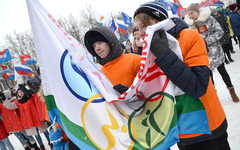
191	75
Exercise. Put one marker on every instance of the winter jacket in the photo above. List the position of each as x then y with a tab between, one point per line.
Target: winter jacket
235	22
192	77
211	36
226	36
40	106
122	70
28	113
29	117
11	119
3	132
229	26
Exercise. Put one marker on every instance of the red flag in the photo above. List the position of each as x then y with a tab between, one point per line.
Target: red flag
207	3
9	76
2	68
181	11
27	60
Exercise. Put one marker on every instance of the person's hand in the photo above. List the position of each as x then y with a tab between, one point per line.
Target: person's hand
159	43
137	97
121	88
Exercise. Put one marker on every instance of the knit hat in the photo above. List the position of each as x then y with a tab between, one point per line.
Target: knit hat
155	9
232	6
193	7
97	37
219	9
134	29
213	10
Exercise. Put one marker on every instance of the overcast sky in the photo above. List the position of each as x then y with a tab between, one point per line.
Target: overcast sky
14	14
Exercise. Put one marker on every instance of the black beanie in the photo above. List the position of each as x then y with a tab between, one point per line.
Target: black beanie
155	9
97	37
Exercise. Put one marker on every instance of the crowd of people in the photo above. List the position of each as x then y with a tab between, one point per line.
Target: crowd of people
205	37
23	114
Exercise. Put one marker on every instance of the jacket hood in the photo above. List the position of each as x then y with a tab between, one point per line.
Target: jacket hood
204	14
116	49
180	25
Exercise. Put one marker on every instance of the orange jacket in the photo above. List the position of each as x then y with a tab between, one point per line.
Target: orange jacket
122	70
191	42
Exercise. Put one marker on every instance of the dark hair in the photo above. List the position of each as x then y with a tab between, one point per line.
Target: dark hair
34	83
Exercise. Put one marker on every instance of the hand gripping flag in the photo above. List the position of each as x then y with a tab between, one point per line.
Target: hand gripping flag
27	60
127	19
102	121
23	70
5	56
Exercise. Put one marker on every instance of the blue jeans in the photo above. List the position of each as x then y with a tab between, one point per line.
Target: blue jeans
39	139
5	143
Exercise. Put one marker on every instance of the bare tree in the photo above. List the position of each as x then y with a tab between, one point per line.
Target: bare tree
77	26
20	44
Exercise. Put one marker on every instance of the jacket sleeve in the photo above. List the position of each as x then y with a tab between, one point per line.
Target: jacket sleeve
10	105
192	80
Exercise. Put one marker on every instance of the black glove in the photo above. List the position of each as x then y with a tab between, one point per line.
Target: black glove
120	88
159	43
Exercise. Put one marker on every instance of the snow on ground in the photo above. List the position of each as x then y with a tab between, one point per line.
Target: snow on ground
232	109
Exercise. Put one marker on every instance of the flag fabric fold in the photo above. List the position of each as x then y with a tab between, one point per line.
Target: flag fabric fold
181	11
2	69
122	27
207	3
101	19
127	19
112	25
170	6
23	70
27	60
83	100
5	56
9	76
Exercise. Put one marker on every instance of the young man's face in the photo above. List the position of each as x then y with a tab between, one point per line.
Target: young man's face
102	49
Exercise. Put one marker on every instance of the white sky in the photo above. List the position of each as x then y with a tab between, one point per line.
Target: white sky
14	14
